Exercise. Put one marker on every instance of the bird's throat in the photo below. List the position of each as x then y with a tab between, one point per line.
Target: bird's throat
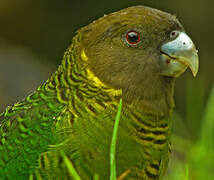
152	98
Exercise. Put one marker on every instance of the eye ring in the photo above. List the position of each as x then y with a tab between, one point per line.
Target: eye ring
133	37
174	34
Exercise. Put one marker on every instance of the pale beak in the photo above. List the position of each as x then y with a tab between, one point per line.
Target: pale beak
177	55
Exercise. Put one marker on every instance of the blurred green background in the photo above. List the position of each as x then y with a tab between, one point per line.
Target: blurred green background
34	35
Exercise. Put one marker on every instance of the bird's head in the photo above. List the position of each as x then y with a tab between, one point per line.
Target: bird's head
141	51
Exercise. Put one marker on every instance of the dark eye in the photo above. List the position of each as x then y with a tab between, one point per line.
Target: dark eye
174	34
133	37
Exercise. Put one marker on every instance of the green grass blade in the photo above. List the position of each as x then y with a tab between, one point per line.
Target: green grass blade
70	167
113	144
207	129
187	172
96	177
202	157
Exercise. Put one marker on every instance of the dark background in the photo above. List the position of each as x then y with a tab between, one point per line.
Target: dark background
34	35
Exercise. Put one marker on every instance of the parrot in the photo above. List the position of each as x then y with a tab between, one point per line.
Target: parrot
134	54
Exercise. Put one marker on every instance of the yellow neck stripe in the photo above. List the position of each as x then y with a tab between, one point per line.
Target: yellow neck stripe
96	81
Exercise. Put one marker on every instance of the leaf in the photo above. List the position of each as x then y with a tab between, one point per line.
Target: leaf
113	144
70	167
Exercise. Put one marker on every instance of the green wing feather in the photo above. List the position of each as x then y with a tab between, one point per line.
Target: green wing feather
26	132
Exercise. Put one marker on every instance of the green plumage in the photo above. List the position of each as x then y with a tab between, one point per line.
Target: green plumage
71	116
